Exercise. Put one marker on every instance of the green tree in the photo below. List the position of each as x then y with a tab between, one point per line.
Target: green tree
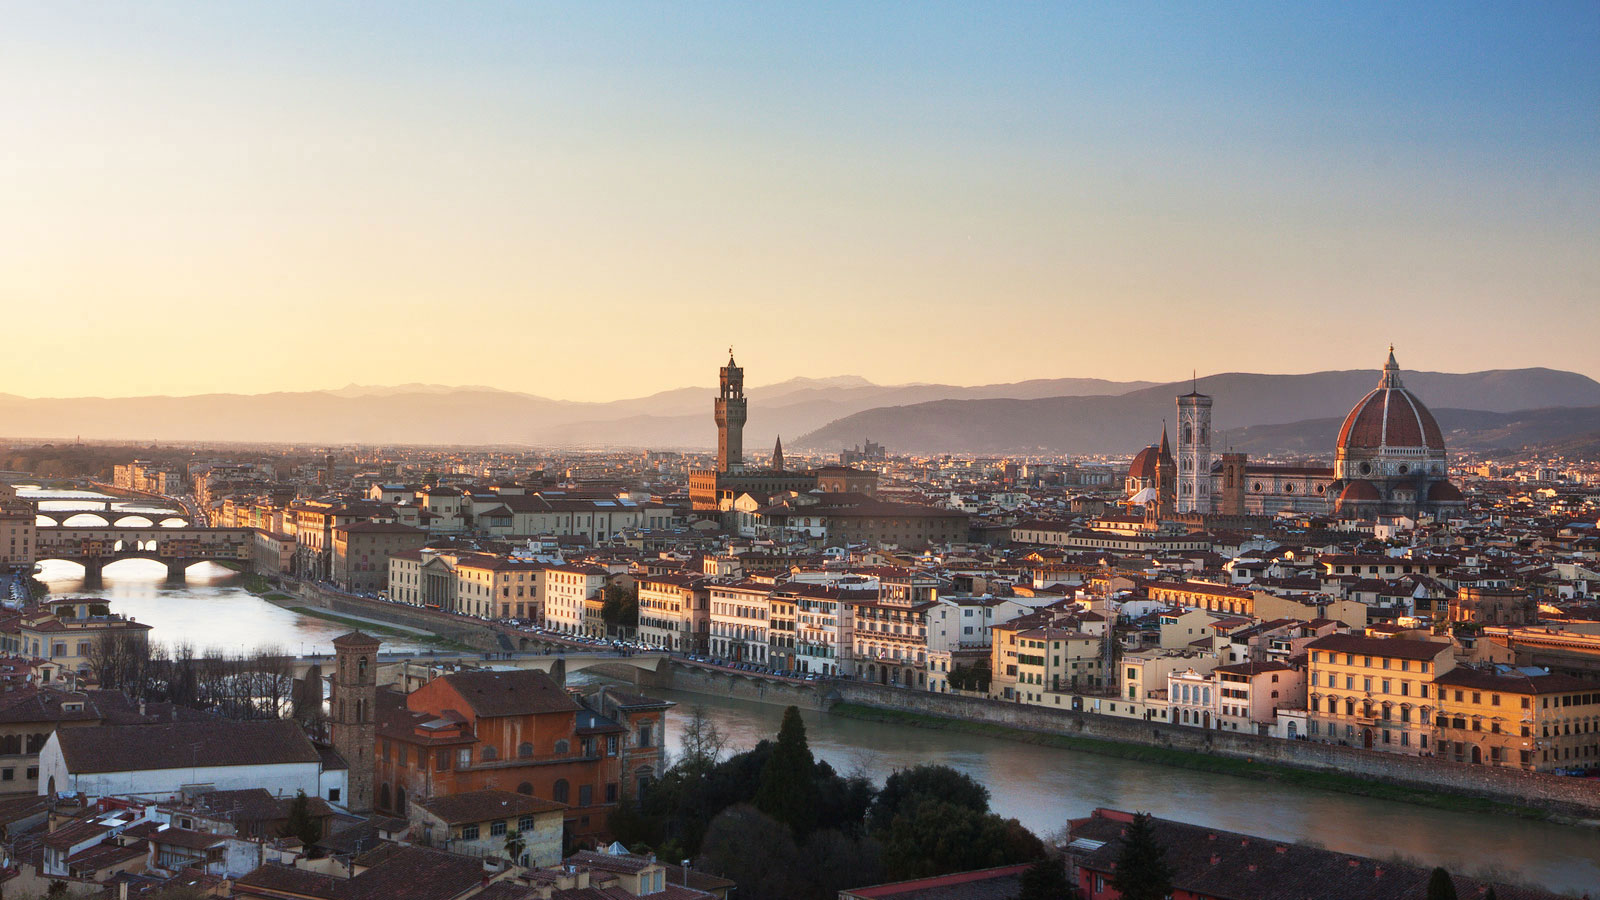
936	837
620	606
515	846
1046	880
300	824
1142	872
1440	885
788	789
907	786
758	852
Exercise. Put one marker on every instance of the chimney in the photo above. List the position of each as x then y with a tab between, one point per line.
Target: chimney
141	707
1215	859
1377	871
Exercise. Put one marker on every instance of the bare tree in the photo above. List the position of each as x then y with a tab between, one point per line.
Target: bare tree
703	742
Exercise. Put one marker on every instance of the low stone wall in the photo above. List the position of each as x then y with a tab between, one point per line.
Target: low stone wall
479	635
717	683
1571	796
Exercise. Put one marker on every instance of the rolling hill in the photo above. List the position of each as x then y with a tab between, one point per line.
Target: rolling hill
1121	424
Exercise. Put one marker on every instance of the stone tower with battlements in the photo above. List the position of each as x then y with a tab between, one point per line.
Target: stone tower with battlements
1194	453
731	413
352	717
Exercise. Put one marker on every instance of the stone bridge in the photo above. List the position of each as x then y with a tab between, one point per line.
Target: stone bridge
111	517
94	547
558	664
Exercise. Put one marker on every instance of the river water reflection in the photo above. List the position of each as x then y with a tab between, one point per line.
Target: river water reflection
1044	787
211	610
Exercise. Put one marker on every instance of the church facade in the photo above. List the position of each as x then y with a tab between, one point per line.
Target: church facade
1389	460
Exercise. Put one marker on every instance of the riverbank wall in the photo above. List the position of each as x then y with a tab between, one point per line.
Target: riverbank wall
477	635
1576	798
681	676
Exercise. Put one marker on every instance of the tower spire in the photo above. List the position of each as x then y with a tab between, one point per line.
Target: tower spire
777	455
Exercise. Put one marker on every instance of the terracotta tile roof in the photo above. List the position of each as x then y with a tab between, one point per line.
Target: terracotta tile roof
483	806
416	873
133	748
1212	863
519	693
982	884
1395	648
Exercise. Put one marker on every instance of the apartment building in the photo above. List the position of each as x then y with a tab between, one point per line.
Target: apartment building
1054	660
361	552
891	641
1522	718
1376	693
674	612
1250	694
566	588
740	621
824	627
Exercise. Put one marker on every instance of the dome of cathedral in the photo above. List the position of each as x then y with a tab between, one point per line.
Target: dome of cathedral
1358	491
1445	492
1144	465
1391	418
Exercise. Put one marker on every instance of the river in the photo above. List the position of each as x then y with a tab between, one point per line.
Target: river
211	610
1044	787
1041	786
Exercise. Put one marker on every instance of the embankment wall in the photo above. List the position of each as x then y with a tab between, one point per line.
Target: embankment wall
479	635
1572	796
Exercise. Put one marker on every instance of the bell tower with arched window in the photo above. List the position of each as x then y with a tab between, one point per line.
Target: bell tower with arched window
354	722
1194	453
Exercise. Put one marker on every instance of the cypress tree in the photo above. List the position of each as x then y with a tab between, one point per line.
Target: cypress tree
1441	886
1142	871
300	824
788	789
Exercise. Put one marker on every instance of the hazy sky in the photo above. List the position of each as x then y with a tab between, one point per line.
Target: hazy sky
590	201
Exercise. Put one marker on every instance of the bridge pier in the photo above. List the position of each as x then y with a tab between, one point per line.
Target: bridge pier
93	573
177	571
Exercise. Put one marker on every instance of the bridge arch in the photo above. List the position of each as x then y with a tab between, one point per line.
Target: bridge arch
80	517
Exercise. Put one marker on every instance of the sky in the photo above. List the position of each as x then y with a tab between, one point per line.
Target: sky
594	200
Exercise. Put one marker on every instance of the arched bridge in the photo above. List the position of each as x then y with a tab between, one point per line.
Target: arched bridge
115	518
94	547
559	664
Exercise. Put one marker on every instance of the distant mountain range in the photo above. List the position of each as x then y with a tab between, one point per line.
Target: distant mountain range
441	414
1290	413
1257	413
1464	429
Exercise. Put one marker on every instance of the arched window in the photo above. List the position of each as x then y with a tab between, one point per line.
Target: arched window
563	748
383	796
400	800
361	669
524	750
489	754
525	788
560	792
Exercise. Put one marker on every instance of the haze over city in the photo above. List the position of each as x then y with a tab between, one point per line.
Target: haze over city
484	194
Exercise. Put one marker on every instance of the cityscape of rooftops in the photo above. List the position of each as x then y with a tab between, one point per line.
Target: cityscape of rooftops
822	451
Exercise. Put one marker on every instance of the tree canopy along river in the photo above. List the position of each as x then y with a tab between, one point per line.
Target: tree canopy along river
1046	786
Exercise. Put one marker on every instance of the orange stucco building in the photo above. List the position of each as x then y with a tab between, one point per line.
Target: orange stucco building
513	731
